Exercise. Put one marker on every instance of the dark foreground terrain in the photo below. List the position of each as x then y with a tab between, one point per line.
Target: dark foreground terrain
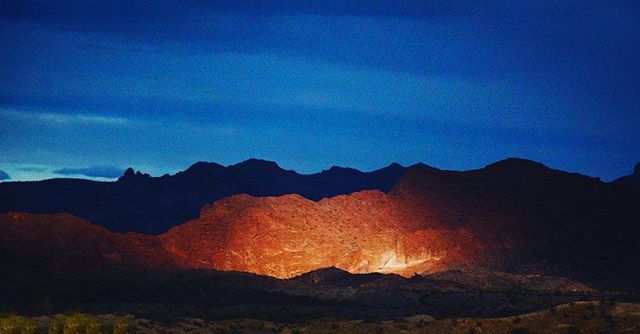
324	301
579	317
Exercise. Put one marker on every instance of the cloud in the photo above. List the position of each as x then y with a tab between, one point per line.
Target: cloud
94	171
60	118
32	169
77	118
4	175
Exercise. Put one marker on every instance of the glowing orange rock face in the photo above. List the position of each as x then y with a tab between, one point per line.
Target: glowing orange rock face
285	236
289	235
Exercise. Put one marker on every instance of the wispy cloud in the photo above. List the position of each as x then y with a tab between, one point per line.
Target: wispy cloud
32	169
4	175
74	119
93	171
63	118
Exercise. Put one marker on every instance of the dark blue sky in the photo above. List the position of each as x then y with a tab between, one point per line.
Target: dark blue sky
159	85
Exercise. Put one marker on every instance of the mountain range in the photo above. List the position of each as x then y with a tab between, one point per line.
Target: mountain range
515	216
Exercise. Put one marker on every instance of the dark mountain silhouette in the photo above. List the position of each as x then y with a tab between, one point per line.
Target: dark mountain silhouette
533	218
141	203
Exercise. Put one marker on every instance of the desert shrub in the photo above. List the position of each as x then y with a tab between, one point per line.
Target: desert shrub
56	326
28	327
94	326
121	326
77	323
517	320
72	325
12	324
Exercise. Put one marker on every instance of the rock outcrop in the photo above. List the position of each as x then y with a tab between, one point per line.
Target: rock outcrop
290	235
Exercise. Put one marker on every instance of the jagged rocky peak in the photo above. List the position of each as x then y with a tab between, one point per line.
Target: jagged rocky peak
131	174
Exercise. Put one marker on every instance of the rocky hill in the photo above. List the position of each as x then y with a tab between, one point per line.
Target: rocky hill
289	235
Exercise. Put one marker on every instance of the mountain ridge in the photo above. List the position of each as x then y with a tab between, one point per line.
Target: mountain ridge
138	202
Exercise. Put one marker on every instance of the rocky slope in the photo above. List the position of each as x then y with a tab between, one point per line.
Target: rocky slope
65	242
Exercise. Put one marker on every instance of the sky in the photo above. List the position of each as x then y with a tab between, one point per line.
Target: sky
88	88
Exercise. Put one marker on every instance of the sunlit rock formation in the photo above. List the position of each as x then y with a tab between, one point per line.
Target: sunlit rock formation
290	235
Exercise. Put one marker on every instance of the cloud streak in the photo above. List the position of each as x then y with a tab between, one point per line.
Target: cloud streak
109	172
4	175
60	118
